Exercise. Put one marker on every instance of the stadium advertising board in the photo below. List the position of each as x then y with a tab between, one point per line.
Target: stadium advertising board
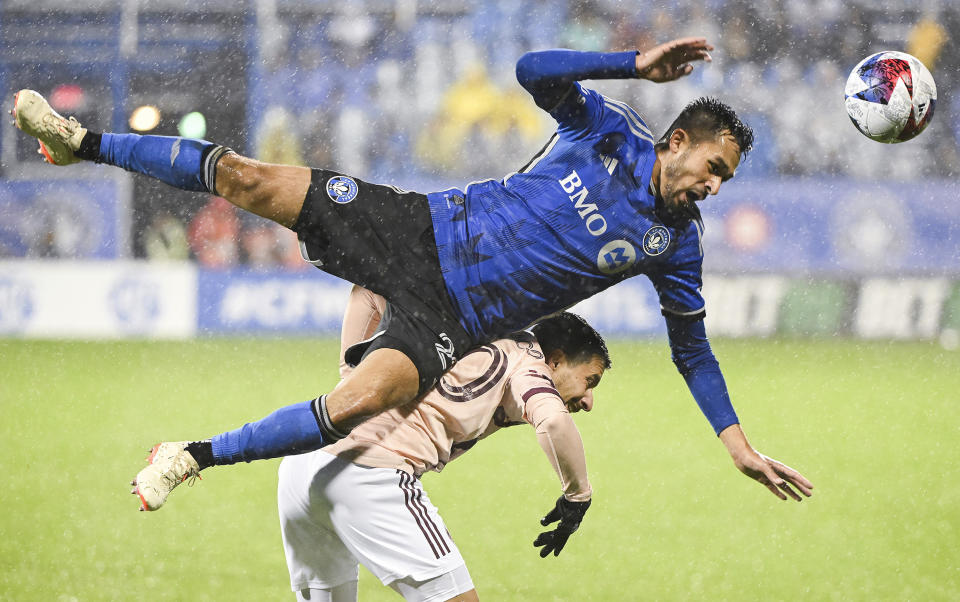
869	308
837	227
120	299
629	308
246	302
64	218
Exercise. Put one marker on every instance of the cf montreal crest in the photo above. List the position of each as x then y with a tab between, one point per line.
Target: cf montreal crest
341	189
656	240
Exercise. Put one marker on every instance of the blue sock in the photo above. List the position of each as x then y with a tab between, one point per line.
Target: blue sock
183	163
290	430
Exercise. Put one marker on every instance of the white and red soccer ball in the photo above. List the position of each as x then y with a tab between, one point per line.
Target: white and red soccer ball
890	96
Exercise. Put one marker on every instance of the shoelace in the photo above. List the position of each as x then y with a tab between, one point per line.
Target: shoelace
62	124
193	475
170	475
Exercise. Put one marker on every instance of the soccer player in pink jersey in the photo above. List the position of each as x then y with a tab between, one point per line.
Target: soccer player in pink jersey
360	500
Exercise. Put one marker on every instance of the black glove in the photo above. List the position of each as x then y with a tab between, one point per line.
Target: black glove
569	514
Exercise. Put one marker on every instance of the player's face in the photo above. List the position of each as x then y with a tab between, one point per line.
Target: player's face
575	382
692	170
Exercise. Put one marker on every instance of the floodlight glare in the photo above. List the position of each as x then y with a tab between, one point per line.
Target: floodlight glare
144	118
193	125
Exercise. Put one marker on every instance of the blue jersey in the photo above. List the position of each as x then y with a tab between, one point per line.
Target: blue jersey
580	217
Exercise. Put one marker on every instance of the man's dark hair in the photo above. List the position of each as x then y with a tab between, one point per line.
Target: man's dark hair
708	117
571	334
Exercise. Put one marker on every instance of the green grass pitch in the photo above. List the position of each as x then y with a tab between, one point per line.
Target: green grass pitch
875	426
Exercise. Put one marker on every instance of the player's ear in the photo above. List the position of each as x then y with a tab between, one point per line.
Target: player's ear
679	138
555	358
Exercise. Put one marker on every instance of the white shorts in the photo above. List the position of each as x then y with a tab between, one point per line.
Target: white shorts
334	514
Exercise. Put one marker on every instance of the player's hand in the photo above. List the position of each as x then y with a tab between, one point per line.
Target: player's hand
775	476
671	60
569	514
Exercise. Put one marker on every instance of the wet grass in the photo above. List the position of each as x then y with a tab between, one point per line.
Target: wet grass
874	425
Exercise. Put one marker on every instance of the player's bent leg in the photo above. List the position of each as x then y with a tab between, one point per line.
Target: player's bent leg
319	564
385	518
453	586
275	192
386	378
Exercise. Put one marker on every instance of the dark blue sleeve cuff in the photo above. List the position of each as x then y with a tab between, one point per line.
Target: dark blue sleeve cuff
710	391
696	362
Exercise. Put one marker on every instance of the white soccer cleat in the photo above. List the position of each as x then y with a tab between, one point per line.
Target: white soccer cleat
59	137
170	465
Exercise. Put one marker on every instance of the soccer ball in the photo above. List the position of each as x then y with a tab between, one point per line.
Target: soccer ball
890	96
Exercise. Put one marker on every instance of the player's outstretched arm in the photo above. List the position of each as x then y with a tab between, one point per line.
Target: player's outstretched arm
560	440
780	479
696	362
548	75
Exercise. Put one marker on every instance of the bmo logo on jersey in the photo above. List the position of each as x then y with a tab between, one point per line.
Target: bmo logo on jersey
592	219
616	256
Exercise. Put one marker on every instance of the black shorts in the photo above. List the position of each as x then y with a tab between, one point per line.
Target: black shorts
381	238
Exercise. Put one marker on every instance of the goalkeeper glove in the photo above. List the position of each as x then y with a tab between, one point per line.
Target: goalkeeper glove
569	514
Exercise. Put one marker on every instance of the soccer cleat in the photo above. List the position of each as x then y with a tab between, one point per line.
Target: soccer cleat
170	465
59	137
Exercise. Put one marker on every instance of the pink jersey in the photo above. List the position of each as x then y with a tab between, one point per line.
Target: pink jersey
501	384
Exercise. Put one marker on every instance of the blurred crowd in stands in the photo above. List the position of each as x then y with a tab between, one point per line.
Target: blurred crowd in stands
423	94
433	99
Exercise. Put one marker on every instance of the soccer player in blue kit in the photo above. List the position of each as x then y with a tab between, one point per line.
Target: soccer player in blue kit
604	200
